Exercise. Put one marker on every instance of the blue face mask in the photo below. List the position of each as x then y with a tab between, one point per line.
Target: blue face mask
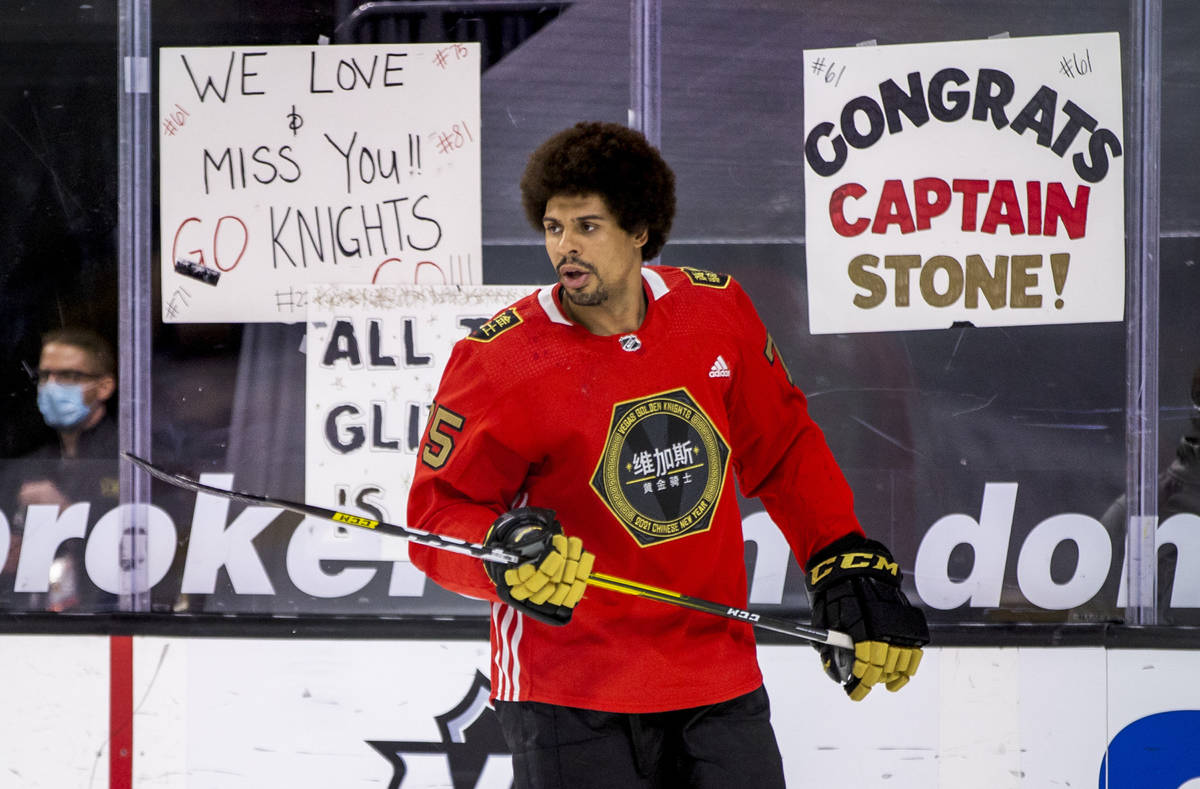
62	405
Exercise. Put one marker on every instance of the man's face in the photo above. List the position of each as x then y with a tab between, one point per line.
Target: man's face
70	365
596	260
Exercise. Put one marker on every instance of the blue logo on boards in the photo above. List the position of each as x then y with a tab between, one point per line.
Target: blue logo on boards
1160	751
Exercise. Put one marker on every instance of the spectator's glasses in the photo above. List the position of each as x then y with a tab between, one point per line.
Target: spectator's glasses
65	376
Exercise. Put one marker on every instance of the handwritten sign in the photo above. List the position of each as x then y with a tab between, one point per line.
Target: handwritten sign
283	166
974	182
375	356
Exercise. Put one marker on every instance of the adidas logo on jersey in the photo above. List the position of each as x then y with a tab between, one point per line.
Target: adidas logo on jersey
719	369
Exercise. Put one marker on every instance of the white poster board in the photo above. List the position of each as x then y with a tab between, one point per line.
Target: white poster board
974	182
283	166
375	356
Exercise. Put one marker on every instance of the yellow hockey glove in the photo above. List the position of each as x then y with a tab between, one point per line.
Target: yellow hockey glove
552	579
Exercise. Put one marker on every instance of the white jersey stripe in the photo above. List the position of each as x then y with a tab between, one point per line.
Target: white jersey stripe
509	625
545	297
516	656
658	286
500	624
497	671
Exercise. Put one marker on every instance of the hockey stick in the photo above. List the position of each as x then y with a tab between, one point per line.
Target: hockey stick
344	518
601	580
773	623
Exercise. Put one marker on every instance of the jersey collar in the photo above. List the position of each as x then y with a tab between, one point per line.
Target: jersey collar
653	281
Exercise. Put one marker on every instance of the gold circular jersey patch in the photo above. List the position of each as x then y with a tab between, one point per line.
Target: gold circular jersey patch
663	467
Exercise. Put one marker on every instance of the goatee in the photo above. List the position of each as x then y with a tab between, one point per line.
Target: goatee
580	299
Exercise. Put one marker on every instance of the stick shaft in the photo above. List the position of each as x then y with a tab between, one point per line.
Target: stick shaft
772	623
601	580
344	518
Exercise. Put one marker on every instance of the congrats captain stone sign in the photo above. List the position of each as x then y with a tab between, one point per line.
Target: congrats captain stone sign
964	183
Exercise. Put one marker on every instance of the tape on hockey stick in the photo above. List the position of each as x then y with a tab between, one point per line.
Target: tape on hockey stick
337	516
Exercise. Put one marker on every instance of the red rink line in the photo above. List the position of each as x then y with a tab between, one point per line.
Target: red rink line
120	712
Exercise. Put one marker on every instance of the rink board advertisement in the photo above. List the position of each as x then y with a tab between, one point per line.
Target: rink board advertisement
966	182
282	166
232	713
1008	547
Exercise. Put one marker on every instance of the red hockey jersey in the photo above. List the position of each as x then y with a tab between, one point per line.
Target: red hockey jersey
634	441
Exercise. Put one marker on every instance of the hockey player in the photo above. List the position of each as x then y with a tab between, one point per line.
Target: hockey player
602	420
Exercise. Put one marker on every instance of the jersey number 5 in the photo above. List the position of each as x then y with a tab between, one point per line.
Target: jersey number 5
440	443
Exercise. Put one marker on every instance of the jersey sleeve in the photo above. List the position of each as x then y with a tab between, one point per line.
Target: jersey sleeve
780	454
469	470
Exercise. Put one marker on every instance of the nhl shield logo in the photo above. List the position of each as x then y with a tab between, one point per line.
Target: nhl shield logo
663	467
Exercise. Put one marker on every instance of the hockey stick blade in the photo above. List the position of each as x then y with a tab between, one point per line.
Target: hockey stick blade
601	580
342	518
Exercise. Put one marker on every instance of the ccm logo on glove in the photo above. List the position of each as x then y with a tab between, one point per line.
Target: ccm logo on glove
853	561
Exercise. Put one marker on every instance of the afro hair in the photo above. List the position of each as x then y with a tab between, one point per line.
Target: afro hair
609	160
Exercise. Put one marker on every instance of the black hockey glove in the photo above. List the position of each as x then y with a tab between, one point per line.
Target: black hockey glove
553	576
854	585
